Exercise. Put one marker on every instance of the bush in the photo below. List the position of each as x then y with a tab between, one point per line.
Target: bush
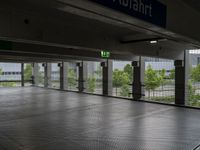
125	91
91	84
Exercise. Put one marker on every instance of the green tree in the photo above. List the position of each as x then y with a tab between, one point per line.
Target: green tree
6	84
98	72
129	70
28	72
195	74
194	98
162	77
120	78
172	74
91	83
71	78
40	76
152	79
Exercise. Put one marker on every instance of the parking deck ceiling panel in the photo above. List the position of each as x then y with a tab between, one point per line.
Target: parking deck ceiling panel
193	3
58	10
50	10
39	119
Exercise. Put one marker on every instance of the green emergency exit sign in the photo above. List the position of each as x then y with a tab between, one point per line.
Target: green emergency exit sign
105	54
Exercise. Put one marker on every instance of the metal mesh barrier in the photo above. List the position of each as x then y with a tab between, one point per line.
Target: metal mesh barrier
10	74
41	75
28	74
72	76
122	79
94	77
193	84
159	83
55	76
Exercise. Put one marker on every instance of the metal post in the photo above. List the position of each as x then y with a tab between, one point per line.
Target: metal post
179	82
107	77
22	74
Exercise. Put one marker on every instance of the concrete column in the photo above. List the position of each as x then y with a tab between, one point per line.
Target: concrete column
179	82
60	65
35	74
137	85
187	62
22	74
65	75
107	68
138	78
47	74
82	68
142	74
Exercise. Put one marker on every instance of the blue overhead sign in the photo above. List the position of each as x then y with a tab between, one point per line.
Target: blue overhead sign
151	11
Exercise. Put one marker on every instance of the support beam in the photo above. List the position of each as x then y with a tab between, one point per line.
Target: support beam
22	74
179	82
82	68
107	68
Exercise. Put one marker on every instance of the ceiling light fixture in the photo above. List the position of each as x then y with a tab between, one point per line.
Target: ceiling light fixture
154	42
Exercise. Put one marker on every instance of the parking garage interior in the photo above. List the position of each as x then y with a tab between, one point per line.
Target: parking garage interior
97	75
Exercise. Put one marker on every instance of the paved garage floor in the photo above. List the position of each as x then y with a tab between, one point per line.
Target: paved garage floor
41	119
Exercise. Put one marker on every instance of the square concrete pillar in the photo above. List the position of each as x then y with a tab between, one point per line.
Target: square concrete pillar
65	76
138	78
107	71
187	62
179	82
22	74
60	65
82	78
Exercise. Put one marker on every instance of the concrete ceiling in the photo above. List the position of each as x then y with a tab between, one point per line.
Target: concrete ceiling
193	3
73	27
